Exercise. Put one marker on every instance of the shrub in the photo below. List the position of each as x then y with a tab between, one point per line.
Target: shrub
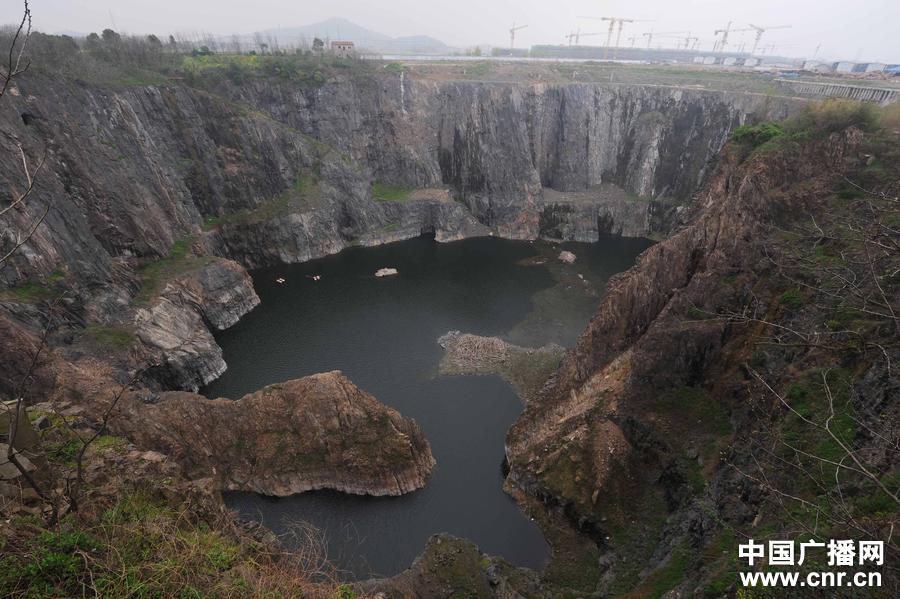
836	115
792	298
756	135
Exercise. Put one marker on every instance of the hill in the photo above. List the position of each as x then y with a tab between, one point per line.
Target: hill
337	28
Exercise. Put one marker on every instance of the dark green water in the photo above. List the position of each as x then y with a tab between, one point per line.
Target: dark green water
381	332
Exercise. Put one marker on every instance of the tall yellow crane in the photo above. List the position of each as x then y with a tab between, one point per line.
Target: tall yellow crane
759	32
613	22
512	34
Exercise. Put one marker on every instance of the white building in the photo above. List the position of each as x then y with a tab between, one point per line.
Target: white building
844	66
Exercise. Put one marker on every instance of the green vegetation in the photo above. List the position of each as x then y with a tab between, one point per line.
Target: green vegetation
666	577
142	547
479	69
115	336
756	135
816	120
28	291
121	60
382	192
693	407
300	69
155	274
303	195
45	289
636	197
792	298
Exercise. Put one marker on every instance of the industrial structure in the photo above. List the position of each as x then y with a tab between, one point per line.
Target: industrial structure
685	47
512	34
613	22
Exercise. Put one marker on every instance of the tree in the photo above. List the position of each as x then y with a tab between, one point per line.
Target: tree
318	46
110	37
15	236
93	43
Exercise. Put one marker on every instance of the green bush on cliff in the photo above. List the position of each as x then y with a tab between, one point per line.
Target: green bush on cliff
834	115
756	135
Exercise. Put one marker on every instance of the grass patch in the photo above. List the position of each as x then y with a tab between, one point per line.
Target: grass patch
143	547
302	195
28	291
382	192
479	69
664	578
156	274
694	407
115	336
636	197
792	298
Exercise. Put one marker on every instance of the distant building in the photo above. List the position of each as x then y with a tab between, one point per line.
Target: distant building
343	49
844	66
751	62
874	67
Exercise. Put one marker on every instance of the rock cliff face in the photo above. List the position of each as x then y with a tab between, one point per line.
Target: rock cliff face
318	432
616	438
131	171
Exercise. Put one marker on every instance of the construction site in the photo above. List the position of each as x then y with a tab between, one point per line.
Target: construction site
733	45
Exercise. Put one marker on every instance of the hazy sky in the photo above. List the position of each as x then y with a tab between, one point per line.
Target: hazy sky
861	29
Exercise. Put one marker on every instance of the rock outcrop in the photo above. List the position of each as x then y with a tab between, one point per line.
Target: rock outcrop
174	332
526	369
318	432
450	567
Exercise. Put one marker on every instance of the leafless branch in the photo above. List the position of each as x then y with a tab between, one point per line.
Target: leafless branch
14	65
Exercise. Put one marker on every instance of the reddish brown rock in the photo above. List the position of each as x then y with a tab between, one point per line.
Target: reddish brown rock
317	432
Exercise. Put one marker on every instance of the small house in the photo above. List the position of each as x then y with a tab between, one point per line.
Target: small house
342	49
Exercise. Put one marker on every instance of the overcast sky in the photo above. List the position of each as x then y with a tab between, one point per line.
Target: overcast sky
861	29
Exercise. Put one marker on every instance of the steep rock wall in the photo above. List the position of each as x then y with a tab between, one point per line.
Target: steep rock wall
130	171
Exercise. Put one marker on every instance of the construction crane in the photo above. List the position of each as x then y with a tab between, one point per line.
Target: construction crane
724	41
653	34
688	45
577	35
759	32
512	34
613	22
